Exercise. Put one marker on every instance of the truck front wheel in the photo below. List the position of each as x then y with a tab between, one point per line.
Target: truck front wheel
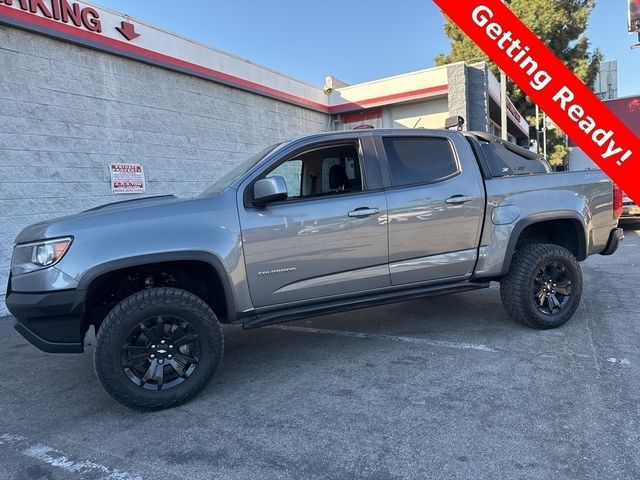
158	348
543	286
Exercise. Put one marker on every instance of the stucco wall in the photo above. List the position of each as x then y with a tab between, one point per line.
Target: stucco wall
478	99
468	94
66	112
458	98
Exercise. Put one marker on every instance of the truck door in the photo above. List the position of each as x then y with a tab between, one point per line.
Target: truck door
435	197
329	237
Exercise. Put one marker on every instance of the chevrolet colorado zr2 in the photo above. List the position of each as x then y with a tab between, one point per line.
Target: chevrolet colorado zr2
321	224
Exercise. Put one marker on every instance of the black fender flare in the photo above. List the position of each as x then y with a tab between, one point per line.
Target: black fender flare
529	220
214	261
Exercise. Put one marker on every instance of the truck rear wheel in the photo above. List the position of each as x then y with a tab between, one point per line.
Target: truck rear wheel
158	348
543	286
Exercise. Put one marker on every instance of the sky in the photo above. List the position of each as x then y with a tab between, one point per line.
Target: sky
354	40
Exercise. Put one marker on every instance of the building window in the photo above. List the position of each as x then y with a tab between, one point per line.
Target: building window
494	129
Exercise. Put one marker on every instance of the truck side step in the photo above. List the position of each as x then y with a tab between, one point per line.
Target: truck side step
353	303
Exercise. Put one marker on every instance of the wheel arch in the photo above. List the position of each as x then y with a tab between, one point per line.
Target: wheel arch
566	229
205	259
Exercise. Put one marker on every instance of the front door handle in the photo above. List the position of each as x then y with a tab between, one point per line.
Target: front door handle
458	199
363	212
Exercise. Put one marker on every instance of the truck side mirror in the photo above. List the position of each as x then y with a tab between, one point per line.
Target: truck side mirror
271	189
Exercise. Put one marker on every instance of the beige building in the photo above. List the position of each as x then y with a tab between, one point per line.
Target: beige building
425	99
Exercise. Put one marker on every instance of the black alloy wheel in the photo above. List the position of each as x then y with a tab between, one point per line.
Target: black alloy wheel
161	353
552	288
543	286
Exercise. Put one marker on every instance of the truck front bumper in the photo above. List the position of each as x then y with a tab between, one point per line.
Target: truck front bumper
615	237
52	321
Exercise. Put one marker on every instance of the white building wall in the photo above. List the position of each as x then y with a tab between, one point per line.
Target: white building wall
427	114
409	86
66	112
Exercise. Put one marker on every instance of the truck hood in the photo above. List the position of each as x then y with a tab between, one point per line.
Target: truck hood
124	209
135	203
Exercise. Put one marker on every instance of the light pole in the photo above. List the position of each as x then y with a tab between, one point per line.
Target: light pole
537	129
503	104
544	133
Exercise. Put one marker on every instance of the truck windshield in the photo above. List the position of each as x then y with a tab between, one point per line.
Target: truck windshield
226	180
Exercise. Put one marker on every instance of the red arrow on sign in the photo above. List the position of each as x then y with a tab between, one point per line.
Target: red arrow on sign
128	30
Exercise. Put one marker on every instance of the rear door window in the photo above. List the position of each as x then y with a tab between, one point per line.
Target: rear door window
418	160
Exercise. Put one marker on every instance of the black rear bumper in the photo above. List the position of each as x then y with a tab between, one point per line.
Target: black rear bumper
615	237
52	321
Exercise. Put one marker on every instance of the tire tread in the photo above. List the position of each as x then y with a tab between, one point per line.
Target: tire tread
130	306
514	286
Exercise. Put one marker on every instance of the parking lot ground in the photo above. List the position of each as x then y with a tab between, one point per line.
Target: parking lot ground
445	387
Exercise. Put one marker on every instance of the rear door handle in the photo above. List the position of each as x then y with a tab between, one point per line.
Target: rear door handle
458	199
363	212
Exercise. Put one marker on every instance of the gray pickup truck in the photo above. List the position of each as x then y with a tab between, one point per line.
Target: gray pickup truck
320	224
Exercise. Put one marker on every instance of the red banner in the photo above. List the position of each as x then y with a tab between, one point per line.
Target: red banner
550	84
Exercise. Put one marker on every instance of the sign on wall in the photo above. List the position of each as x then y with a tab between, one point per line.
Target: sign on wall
127	178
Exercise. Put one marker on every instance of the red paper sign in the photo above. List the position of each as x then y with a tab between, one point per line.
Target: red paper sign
550	84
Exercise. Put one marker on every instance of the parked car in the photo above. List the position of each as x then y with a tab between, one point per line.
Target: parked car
316	225
630	211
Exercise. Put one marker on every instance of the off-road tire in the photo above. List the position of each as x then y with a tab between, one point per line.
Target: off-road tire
517	286
135	309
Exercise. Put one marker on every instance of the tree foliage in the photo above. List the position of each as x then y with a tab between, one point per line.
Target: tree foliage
561	24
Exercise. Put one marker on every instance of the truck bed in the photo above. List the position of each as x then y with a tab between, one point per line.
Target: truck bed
585	198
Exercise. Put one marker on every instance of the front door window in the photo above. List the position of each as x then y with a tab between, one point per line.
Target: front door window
322	172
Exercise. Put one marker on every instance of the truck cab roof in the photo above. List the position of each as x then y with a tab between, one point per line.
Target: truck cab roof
496	157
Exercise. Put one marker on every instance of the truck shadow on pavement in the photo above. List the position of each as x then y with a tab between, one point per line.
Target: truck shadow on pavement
252	355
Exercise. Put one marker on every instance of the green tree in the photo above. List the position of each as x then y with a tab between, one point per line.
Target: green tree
561	24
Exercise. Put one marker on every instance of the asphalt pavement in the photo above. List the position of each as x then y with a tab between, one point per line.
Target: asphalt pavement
445	387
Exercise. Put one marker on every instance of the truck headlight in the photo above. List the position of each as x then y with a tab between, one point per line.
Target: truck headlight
29	257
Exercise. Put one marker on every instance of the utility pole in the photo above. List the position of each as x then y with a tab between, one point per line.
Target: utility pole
503	105
544	133
504	126
537	129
